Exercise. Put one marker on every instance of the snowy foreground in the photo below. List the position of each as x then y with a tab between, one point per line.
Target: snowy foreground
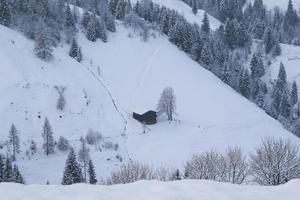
154	190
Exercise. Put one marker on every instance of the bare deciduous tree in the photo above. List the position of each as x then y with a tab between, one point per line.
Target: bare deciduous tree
236	166
275	162
167	103
61	102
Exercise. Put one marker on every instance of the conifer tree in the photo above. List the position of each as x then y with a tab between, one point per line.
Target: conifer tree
92	173
85	19
229	34
72	172
128	7
5	13
194	7
43	44
206	56
120	10
14	141
8	173
285	106
268	40
257	67
294	94
205	27
69	25
244	83
17	176
73	49
49	144
279	88
113	6
91	33
2	168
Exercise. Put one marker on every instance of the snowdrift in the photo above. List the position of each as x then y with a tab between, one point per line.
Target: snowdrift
154	190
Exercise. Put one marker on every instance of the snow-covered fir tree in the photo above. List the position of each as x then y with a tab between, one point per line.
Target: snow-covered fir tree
92	173
43	44
72	172
91	32
14	141
257	67
294	94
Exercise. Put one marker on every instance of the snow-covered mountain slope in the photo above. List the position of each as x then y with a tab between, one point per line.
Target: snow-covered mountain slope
290	57
186	11
114	78
283	4
154	190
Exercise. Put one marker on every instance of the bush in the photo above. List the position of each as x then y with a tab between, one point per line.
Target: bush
93	137
63	144
230	167
130	172
275	162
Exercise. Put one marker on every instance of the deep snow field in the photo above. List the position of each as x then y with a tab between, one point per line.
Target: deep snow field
152	190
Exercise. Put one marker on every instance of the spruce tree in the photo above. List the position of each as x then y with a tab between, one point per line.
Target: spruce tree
8	173
206	56
73	49
244	83
194	7
229	34
120	10
49	143
205	27
72	172
113	6
14	141
5	14
91	33
279	88
257	67
294	94
17	176
43	44
70	26
85	19
268	40
2	168
92	173
285	106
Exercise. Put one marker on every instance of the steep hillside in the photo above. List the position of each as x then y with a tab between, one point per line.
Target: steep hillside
102	92
186	11
154	190
291	60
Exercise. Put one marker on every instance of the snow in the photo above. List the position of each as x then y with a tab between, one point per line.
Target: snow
154	190
186	11
290	58
101	94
